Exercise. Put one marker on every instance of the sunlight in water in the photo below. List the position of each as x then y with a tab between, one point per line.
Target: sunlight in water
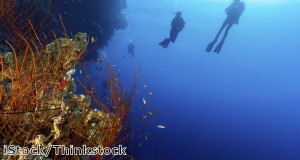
257	1
270	1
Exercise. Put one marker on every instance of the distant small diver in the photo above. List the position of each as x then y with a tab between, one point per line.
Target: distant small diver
234	11
130	48
177	25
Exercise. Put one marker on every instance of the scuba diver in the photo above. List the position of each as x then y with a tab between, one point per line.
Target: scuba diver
234	11
130	47
177	26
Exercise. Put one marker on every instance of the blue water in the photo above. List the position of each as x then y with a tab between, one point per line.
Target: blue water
241	104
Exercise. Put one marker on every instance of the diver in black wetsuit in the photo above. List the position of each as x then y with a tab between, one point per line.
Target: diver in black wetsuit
130	47
177	26
234	11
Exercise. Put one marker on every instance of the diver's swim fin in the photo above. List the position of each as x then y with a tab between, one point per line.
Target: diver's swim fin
219	47
161	43
165	43
210	46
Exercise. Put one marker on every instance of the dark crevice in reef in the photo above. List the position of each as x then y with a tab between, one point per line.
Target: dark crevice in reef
99	18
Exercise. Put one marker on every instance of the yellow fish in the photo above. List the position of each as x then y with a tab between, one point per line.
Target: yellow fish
93	40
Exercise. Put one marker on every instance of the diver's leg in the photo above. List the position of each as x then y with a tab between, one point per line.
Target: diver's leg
212	43
221	29
220	45
227	30
173	35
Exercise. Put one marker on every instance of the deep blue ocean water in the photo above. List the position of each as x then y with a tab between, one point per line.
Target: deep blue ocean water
241	104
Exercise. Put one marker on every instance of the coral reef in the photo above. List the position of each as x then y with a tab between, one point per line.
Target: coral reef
38	100
39	104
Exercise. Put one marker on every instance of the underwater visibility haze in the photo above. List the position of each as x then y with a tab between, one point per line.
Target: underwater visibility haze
240	104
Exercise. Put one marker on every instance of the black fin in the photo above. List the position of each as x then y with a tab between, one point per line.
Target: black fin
165	43
219	47
210	46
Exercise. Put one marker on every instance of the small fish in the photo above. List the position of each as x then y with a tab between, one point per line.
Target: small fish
114	65
144	100
98	58
144	116
93	40
161	126
80	71
140	145
150	113
150	93
119	69
146	138
145	86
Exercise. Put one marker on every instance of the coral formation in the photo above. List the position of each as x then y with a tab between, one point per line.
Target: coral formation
38	100
37	109
99	18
